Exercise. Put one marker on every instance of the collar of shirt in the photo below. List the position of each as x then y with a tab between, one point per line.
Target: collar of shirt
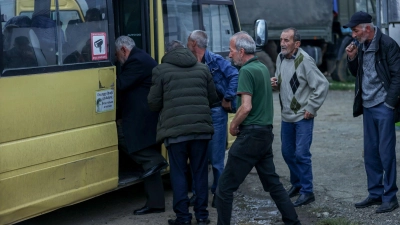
291	57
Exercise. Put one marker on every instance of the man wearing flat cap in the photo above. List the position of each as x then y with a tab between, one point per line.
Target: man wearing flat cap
375	62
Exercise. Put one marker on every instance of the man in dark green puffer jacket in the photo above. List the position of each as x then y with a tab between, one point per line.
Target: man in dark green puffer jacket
183	91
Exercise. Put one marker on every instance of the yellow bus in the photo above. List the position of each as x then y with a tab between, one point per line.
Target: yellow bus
58	137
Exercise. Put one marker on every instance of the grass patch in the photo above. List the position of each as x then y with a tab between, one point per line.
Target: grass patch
336	221
335	85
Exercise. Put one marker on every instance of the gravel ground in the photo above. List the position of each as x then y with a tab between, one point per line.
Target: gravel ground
338	168
339	182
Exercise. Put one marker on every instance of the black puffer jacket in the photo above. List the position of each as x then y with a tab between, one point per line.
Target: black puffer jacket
387	65
183	90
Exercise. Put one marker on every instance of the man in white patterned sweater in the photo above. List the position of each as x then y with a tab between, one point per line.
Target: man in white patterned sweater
302	90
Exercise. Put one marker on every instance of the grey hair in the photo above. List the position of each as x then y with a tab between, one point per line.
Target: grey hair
125	41
364	25
296	34
174	44
244	40
200	37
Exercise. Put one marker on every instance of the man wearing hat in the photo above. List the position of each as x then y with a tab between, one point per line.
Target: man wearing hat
375	61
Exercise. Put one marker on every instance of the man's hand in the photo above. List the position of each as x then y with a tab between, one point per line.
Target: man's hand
226	105
308	115
351	50
233	130
274	82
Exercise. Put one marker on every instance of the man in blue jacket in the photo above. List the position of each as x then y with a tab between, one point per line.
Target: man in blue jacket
225	77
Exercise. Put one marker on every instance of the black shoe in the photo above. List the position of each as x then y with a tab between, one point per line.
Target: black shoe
192	200
304	199
368	202
387	207
148	210
154	169
293	191
175	222
213	202
203	221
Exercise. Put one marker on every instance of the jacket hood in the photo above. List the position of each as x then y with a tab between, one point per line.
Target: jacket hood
181	57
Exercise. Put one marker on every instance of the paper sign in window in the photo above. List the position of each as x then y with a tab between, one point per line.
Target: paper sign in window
99	46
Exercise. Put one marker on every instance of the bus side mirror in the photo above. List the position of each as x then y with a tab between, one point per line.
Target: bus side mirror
260	32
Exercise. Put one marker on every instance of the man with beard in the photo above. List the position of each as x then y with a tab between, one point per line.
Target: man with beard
376	64
137	125
302	90
252	125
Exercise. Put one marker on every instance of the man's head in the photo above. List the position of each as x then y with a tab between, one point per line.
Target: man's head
361	26
197	40
123	47
290	41
172	45
93	14
241	48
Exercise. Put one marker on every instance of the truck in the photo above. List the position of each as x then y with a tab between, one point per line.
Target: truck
312	18
320	25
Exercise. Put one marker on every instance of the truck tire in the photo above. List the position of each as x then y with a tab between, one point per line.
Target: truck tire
343	73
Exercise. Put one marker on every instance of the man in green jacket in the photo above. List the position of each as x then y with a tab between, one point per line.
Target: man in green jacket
183	91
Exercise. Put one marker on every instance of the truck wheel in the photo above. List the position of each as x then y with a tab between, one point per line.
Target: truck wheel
343	72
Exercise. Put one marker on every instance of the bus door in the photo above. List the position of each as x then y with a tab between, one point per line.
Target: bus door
58	138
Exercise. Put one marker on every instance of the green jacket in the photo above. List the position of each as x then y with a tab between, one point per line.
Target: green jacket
183	91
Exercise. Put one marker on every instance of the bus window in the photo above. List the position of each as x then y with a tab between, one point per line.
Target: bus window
38	34
180	18
218	25
80	46
131	19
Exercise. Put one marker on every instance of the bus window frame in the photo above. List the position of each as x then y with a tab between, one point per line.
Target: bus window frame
66	67
232	12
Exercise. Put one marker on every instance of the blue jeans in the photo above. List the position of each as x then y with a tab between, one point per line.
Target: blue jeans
179	153
380	152
252	148
296	142
217	145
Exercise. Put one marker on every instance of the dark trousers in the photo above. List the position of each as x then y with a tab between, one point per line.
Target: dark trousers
153	185
252	148
380	152
179	153
147	158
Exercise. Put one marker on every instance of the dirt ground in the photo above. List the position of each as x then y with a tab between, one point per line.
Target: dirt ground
338	167
339	182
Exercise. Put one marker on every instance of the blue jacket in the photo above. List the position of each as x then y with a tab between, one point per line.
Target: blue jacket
225	77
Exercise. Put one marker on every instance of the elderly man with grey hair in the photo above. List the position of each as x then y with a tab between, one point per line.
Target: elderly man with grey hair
225	77
252	125
136	123
375	61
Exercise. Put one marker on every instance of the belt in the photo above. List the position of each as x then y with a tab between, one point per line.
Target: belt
250	127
